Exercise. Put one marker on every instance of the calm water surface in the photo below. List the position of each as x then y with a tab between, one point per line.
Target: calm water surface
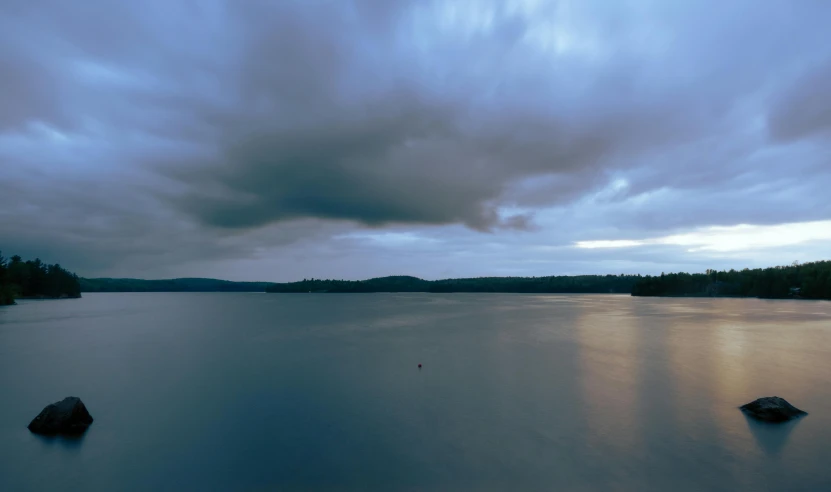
518	392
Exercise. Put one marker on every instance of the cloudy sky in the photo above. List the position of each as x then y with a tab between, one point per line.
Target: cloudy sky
256	140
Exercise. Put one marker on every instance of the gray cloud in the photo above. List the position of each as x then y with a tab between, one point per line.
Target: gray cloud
302	142
804	109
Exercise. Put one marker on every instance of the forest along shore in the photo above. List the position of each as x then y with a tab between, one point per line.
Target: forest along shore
33	279
796	281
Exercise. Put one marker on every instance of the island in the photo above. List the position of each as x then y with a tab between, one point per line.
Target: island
33	279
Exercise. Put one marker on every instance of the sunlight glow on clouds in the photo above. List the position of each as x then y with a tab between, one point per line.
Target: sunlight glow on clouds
741	237
390	238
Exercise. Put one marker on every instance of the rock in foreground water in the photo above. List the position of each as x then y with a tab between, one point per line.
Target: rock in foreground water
772	409
68	416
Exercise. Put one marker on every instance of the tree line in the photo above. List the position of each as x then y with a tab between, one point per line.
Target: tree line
33	278
588	284
169	285
807	281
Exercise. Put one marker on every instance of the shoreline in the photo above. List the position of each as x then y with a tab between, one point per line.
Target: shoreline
46	298
39	298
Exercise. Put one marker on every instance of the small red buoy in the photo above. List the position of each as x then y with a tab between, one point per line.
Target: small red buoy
419	366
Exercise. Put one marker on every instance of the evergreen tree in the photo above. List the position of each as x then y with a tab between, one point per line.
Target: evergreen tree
34	278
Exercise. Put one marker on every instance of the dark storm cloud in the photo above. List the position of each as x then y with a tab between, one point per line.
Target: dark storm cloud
332	120
118	231
398	160
153	132
340	120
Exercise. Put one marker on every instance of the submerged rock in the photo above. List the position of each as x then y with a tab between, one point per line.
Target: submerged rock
68	416
772	409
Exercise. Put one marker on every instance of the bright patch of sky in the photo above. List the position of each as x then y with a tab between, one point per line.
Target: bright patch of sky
742	237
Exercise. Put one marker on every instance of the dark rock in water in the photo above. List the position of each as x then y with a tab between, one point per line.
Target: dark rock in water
772	409
68	416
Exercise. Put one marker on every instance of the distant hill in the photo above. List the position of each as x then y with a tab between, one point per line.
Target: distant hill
169	285
582	284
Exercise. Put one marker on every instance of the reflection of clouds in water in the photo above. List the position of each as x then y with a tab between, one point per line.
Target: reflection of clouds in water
405	320
748	309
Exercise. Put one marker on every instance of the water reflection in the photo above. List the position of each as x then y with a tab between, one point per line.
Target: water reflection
731	361
771	438
70	442
609	375
518	392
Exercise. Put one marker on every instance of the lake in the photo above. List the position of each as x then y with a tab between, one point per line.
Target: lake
221	391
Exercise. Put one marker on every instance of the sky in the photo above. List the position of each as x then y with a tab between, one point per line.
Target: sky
275	141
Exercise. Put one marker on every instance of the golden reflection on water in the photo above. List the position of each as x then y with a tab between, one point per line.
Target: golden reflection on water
609	374
656	373
730	361
723	353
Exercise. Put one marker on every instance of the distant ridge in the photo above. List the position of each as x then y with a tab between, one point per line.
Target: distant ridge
796	281
579	284
803	281
620	284
169	285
